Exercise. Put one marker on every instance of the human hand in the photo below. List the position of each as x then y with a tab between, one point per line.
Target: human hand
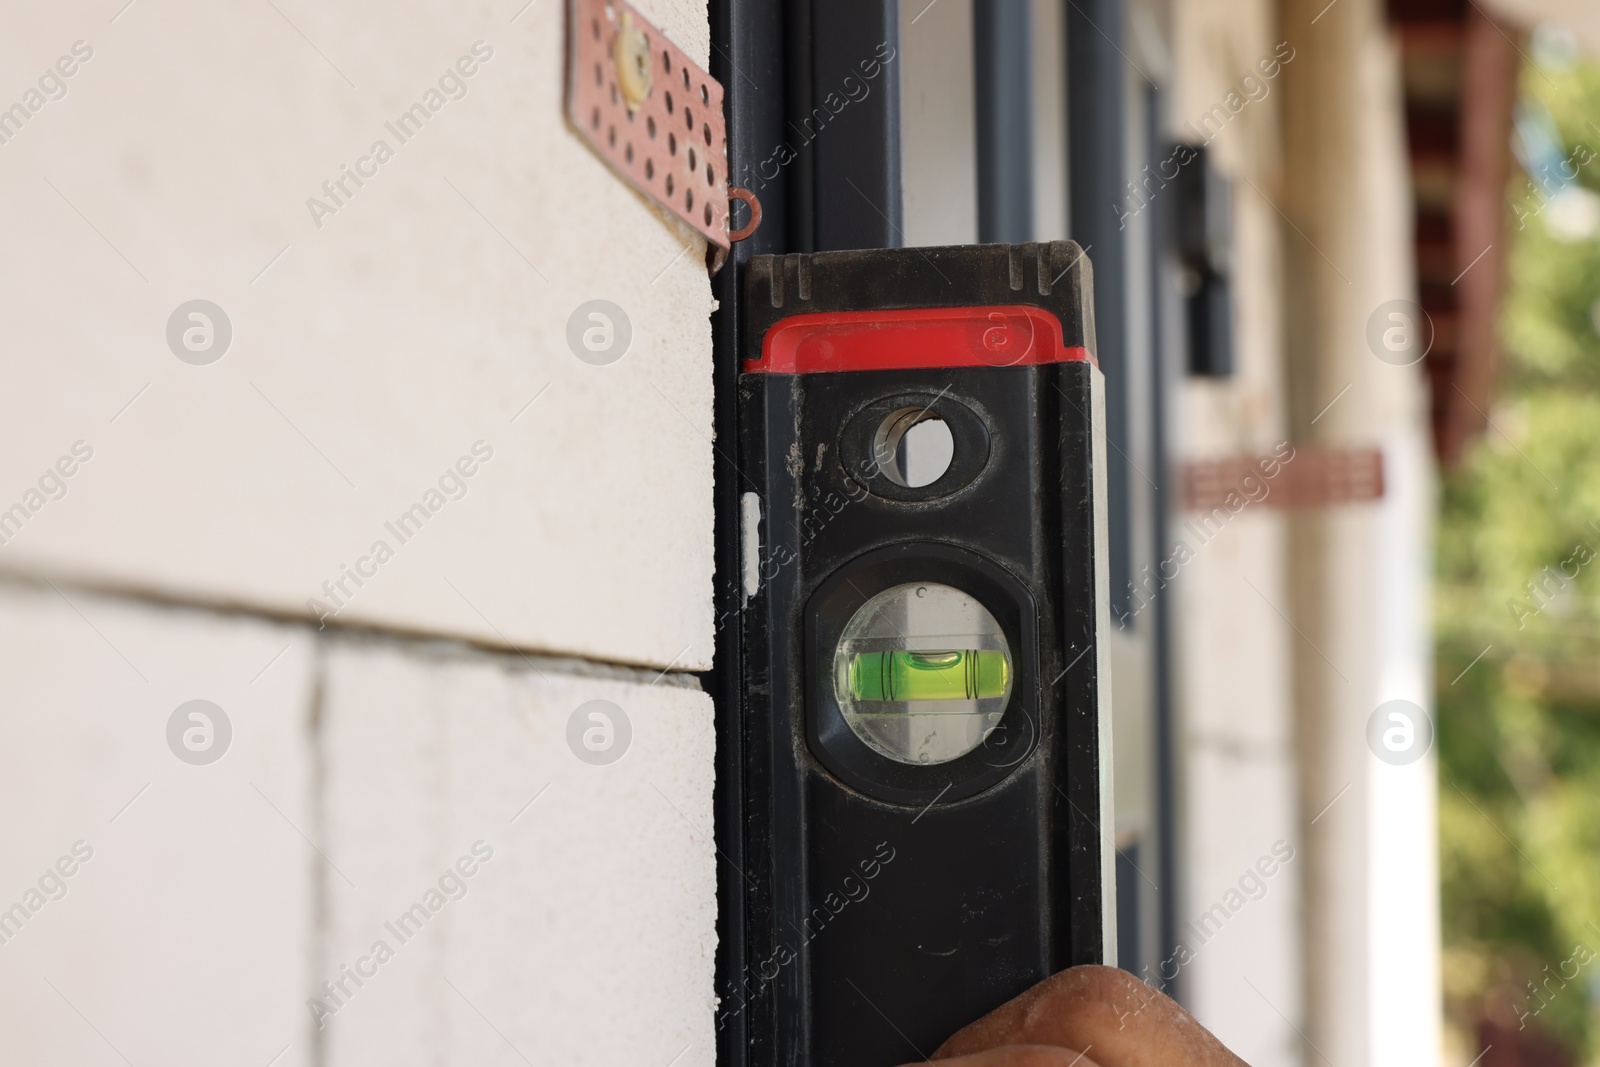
1087	1017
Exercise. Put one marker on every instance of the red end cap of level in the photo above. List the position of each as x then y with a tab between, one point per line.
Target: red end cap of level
1006	335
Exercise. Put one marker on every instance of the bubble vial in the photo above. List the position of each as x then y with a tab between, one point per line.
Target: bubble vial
923	673
969	674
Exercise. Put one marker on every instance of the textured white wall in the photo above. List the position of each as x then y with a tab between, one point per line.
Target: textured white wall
1234	650
588	938
373	347
1245	981
183	939
217	899
420	318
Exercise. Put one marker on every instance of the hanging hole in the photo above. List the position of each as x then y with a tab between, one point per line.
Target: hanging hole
627	152
711	178
688	199
669	103
708	214
649	170
686	77
672	143
689	117
913	447
708	134
669	185
692	164
666	61
611	137
705	96
650	127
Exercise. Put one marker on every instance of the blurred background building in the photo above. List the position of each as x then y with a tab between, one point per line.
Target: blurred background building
385	359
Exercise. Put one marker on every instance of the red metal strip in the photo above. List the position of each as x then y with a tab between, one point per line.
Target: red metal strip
1008	335
1301	477
649	111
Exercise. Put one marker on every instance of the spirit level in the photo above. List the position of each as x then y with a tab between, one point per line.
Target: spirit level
925	702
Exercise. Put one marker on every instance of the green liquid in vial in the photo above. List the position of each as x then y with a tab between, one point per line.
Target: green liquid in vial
967	674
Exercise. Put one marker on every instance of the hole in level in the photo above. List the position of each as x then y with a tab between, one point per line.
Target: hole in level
711	179
705	96
672	143
913	447
650	126
688	199
686	77
628	152
669	103
708	133
708	214
649	170
689	116
666	61
692	164
669	185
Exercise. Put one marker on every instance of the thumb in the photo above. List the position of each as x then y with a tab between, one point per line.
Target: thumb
1102	1010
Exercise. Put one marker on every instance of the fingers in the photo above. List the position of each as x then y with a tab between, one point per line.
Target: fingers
1106	1012
1021	1056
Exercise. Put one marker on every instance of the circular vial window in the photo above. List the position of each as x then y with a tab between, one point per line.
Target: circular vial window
922	673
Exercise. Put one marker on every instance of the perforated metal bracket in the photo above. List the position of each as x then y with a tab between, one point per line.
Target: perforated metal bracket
649	111
1306	477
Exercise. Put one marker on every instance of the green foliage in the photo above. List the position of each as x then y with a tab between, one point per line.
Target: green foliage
1518	557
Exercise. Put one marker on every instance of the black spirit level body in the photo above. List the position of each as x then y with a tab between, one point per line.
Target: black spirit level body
926	707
